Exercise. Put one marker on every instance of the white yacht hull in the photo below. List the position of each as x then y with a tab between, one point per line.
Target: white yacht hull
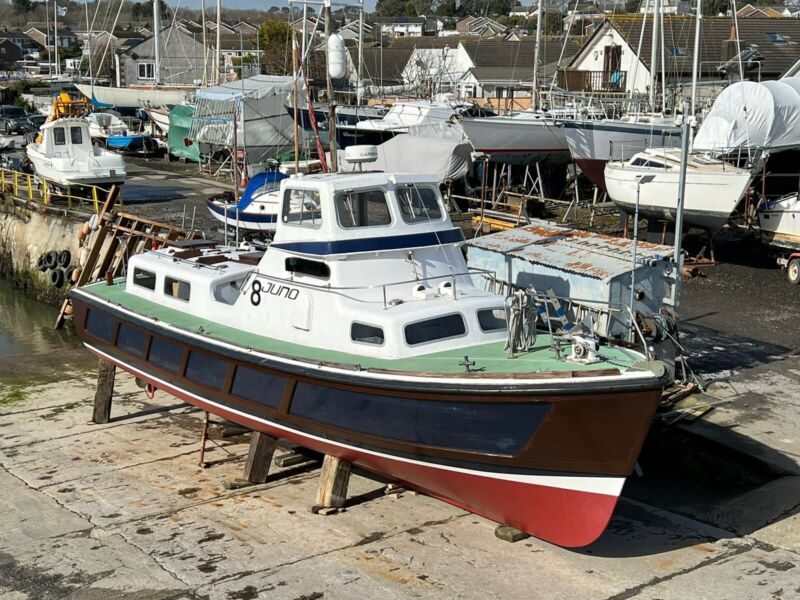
710	197
66	171
780	222
593	143
518	141
160	117
135	97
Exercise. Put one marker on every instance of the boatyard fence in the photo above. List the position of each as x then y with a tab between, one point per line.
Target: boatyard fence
39	192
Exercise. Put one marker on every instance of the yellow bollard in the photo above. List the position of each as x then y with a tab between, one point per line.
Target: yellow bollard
45	197
94	197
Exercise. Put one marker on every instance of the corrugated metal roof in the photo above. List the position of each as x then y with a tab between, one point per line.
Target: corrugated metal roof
573	250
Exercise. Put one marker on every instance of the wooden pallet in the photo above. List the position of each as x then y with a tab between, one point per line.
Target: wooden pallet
120	235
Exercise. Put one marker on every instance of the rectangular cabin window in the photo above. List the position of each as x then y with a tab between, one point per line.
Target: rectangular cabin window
302	207
257	386
165	354
229	291
493	427
100	325
304	266
434	330
206	370
76	136
177	288
492	319
59	136
131	340
419	205
362	209
144	279
366	334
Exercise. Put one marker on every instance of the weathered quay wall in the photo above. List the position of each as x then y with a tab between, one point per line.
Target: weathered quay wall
25	235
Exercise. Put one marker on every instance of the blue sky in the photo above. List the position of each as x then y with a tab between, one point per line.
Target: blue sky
262	4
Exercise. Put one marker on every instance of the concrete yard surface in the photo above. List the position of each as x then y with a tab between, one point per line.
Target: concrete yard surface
124	511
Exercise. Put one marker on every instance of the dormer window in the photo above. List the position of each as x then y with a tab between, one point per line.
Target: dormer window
362	209
302	207
419	205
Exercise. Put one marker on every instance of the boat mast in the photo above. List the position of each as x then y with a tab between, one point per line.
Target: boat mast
205	42
637	60
217	65
663	65
55	38
360	54
156	51
89	46
47	39
331	105
534	95
654	56
696	58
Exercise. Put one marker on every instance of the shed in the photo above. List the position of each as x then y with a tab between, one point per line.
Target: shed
592	270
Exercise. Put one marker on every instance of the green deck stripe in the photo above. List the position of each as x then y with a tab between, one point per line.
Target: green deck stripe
491	356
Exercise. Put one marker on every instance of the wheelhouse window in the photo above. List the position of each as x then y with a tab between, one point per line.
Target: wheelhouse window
366	334
418	205
362	209
131	340
177	288
492	319
304	266
206	370
435	330
100	325
229	291
76	135
145	279
147	70
165	354
59	136
302	207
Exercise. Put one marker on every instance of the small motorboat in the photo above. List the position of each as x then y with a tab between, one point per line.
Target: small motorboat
128	142
713	187
102	125
159	116
257	209
65	156
780	221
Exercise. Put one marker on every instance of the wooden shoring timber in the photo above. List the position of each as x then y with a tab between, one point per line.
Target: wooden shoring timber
106	372
259	457
333	481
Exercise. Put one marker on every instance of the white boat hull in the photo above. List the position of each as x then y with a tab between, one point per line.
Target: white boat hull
518	141
780	222
135	97
160	118
66	171
261	216
593	143
709	201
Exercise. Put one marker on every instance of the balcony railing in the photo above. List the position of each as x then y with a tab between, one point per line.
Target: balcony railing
592	81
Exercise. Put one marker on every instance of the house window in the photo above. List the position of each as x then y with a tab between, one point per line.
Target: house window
147	70
774	36
677	51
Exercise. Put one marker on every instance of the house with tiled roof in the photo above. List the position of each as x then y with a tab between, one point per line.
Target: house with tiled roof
483	27
608	61
763	12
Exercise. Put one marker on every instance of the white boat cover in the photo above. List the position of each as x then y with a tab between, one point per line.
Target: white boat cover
753	115
446	157
264	127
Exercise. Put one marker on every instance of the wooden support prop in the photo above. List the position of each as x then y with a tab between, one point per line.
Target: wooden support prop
510	534
333	481
259	458
105	390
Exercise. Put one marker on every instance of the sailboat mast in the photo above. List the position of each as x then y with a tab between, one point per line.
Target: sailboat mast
47	38
89	45
156	49
360	53
205	42
55	37
663	65
539	16
654	55
217	65
696	58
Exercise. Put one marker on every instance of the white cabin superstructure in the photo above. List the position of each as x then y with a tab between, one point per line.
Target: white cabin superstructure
367	262
66	156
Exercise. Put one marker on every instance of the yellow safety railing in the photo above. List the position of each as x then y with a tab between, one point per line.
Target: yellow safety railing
33	188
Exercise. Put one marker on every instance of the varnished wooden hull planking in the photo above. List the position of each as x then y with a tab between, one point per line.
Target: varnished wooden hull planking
558	478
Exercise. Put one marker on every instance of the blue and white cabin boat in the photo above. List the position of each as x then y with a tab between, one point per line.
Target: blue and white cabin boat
360	333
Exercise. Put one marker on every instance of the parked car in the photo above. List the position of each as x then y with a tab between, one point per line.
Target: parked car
12	118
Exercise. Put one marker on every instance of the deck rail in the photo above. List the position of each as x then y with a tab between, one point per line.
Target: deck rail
37	190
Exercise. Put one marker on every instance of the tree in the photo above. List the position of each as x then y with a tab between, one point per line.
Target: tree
409	10
632	6
553	22
22	6
447	8
390	8
275	38
716	7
